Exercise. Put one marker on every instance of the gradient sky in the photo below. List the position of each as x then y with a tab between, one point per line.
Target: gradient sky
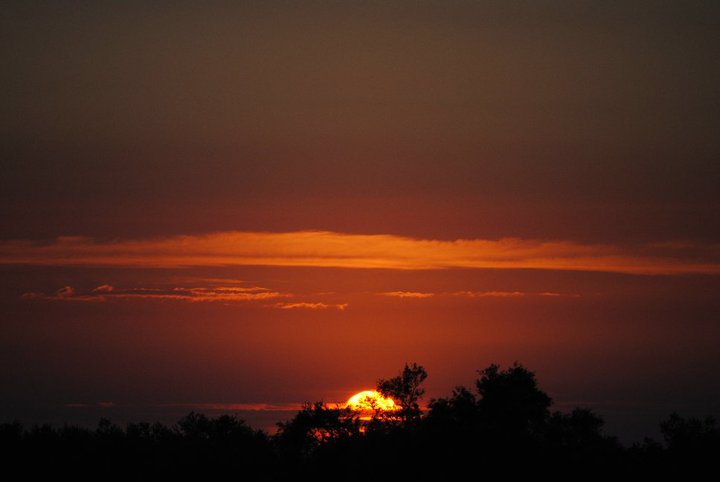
276	202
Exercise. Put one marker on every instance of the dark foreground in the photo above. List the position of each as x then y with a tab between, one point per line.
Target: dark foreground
503	426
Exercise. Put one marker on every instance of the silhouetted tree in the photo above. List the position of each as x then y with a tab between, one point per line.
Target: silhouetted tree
213	447
457	412
691	442
405	390
503	427
315	425
689	434
575	441
510	401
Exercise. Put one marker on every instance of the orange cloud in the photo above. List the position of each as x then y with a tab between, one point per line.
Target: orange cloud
552	294
407	294
103	289
510	294
328	249
245	407
65	292
107	293
490	294
311	306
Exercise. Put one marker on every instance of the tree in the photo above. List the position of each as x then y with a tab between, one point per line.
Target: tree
691	435
460	410
405	390
510	400
314	426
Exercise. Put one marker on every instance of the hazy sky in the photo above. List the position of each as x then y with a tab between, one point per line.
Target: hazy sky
272	202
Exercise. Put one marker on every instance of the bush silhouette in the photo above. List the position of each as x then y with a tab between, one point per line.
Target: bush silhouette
503	426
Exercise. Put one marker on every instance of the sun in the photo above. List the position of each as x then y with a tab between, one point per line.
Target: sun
370	401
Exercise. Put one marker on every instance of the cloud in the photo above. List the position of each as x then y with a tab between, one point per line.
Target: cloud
65	292
490	294
107	404
329	249
407	294
211	294
245	407
241	407
510	294
553	294
103	289
205	281
33	295
311	306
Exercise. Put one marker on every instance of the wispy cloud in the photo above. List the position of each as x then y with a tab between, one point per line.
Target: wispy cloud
243	407
205	407
91	405
103	289
311	306
490	294
407	294
512	294
106	292
328	249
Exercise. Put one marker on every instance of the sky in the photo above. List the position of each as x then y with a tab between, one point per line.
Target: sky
250	205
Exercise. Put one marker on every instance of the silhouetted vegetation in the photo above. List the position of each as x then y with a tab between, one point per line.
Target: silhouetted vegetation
503	425
405	390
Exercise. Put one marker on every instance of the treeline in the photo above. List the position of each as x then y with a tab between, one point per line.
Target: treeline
503	426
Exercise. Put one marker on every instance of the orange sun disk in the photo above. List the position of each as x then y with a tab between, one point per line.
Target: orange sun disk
370	401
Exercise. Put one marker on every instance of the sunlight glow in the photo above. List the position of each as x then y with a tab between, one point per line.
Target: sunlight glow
371	401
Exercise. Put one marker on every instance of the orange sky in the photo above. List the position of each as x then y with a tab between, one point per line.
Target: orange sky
277	202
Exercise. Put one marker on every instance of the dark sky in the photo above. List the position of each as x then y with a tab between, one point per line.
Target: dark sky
573	120
537	181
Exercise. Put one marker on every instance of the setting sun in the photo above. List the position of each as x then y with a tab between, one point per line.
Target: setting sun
370	401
